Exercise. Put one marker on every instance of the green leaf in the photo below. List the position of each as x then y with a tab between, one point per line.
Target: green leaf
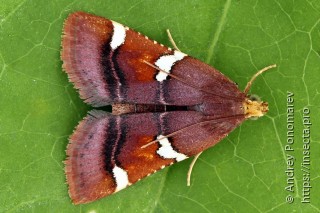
246	172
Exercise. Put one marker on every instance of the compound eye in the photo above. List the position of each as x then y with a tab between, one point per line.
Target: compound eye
254	97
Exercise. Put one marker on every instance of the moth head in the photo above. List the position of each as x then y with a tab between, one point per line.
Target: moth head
254	108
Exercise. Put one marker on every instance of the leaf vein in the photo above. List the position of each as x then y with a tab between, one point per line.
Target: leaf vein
219	30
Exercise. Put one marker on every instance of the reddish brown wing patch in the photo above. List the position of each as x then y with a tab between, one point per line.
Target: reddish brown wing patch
140	162
134	52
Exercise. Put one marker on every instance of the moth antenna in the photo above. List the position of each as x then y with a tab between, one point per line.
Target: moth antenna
246	90
173	133
185	82
171	75
180	130
172	41
154	141
191	167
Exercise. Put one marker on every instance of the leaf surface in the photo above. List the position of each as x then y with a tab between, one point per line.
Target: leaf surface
246	172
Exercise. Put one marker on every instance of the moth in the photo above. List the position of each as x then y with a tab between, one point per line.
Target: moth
166	106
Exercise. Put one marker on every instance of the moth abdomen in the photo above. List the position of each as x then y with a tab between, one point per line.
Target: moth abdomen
125	108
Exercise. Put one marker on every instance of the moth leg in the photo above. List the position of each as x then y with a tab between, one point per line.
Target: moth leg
172	41
191	167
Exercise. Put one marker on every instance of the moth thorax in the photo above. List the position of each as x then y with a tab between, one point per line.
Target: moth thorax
254	108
